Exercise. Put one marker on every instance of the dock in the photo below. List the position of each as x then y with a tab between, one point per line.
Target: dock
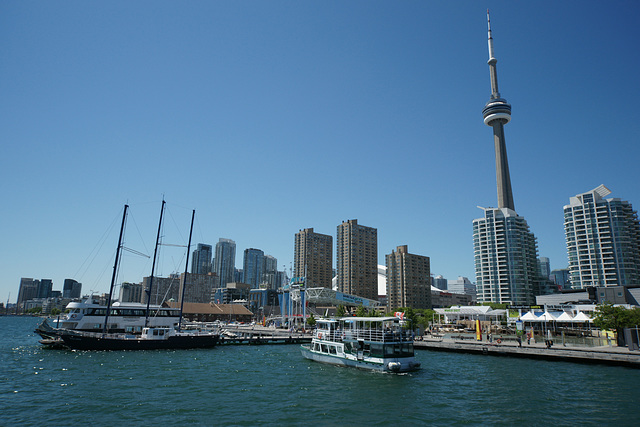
260	335
616	356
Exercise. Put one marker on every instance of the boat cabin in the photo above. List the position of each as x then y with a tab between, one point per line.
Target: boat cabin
157	333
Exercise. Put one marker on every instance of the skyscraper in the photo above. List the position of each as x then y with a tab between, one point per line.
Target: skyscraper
313	252
253	267
603	240
71	289
408	280
270	275
201	259
357	256
505	250
225	262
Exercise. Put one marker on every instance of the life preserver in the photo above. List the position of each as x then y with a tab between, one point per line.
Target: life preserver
320	335
498	340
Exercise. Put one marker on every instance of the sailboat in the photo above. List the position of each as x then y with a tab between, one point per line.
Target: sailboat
152	338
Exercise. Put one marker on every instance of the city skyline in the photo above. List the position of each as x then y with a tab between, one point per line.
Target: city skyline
339	111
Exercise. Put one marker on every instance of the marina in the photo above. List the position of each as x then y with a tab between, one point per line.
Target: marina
273	384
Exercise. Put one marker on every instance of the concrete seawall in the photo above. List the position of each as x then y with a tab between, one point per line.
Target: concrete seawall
617	356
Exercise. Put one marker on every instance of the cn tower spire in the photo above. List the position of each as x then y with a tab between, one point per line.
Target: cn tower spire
497	113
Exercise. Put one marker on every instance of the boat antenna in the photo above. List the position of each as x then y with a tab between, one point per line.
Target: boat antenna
153	267
115	270
186	268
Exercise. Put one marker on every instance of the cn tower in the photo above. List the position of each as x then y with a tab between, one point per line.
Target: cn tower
497	113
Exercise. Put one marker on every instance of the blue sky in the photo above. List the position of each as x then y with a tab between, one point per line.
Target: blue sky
270	117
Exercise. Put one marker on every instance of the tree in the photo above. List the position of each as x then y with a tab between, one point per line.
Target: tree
341	312
55	311
616	319
361	311
311	321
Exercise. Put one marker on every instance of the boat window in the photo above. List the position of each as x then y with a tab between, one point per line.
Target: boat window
376	349
388	350
161	332
324	348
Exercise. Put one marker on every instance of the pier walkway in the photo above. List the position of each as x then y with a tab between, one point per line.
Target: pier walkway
618	356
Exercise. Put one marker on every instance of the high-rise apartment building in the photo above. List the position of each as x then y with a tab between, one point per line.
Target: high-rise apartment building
201	259
313	254
505	250
225	262
253	267
131	292
357	257
408	280
603	240
198	288
505	253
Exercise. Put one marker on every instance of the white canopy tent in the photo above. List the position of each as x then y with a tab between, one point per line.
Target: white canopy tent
564	317
529	317
581	318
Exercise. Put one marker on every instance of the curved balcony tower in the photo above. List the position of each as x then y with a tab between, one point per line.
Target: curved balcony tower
497	113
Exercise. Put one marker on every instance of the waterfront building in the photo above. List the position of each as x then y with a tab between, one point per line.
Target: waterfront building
201	259
253	267
603	240
444	299
131	292
225	262
313	256
505	250
238	292
357	259
71	289
440	282
408	280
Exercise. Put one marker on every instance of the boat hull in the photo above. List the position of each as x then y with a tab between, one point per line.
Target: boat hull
105	342
393	365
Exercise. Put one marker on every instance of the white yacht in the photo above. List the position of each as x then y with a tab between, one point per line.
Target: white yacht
129	318
375	343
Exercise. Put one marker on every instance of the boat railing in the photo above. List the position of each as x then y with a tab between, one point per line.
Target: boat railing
374	335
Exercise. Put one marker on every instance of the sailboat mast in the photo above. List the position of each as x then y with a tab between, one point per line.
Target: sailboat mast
153	267
115	270
186	268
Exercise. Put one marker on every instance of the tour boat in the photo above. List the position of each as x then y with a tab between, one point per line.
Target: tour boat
375	343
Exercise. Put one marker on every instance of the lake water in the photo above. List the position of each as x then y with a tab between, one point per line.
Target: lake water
260	385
